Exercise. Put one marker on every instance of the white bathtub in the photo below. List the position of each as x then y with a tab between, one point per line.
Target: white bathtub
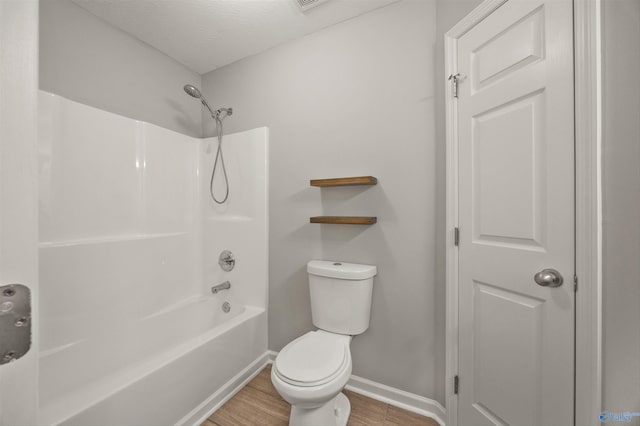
171	363
130	333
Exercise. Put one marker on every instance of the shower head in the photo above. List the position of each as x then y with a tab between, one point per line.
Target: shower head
195	93
192	91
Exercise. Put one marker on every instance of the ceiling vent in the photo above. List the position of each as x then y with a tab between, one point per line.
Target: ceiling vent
309	4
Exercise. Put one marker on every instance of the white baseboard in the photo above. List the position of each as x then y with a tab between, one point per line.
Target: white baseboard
226	392
399	398
272	356
392	396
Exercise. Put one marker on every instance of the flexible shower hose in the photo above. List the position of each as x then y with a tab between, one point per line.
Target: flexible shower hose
219	134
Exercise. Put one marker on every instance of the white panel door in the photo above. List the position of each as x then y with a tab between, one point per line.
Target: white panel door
516	216
18	194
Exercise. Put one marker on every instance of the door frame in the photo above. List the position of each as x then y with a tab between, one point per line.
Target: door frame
588	208
19	194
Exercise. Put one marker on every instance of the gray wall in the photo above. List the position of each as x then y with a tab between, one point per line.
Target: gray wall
85	59
353	99
621	206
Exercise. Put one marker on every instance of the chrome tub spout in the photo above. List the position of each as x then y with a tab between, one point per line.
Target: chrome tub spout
224	286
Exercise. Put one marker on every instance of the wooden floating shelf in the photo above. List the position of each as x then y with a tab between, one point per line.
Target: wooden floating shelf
348	181
345	220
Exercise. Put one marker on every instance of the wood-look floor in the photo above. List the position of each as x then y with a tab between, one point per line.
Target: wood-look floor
258	403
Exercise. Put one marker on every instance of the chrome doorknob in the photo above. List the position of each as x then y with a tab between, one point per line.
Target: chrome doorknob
548	278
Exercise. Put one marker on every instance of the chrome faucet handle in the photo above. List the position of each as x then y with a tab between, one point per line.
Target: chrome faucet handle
227	261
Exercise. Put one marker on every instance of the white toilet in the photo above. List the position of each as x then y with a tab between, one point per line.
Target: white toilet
311	371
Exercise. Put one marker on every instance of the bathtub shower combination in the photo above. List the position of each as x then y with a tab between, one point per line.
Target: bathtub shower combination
131	332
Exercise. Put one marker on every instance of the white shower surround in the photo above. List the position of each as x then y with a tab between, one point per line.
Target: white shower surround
129	242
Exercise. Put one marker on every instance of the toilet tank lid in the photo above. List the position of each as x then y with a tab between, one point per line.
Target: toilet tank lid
341	270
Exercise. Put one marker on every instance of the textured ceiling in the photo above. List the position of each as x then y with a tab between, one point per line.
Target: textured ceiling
207	34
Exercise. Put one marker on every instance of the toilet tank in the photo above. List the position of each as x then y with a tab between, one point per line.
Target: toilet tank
340	295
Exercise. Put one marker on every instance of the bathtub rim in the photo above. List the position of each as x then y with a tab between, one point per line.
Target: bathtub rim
56	411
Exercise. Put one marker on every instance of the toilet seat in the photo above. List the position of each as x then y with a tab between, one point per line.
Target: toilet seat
313	359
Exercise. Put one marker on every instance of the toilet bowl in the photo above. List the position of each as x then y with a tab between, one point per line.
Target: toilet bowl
311	371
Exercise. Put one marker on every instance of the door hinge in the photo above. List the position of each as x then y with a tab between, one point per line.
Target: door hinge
456	383
456	236
454	79
575	283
